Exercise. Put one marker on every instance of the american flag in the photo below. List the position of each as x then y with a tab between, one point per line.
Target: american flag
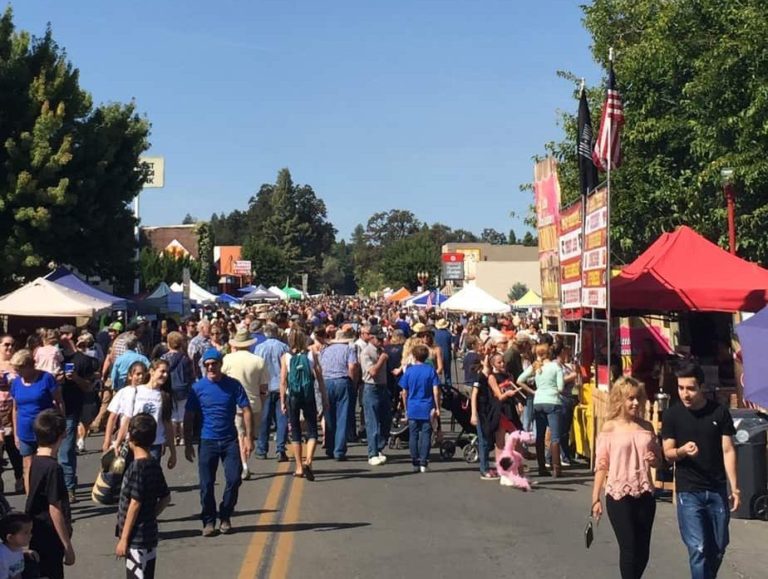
608	146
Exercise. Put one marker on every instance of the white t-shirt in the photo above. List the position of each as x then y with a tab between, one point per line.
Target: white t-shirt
146	400
119	397
11	562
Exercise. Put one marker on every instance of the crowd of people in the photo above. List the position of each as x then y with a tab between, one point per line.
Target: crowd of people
331	372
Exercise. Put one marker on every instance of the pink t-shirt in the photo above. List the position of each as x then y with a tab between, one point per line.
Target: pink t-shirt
622	454
49	359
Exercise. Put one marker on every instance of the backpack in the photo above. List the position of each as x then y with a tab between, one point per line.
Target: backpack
180	381
301	382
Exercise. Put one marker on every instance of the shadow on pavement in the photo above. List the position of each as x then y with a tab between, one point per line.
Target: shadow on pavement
196	516
276	528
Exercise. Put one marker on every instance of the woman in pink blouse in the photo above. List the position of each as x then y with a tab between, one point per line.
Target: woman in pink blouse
626	449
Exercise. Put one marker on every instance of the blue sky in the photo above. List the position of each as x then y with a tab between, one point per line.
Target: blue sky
432	106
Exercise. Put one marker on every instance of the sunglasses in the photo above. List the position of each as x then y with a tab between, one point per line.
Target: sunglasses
210	363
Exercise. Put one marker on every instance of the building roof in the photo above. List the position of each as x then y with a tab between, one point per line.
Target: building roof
490	252
179	239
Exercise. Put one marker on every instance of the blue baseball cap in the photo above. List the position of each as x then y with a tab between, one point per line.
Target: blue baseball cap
212	354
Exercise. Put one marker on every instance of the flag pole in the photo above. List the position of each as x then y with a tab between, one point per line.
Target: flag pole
608	244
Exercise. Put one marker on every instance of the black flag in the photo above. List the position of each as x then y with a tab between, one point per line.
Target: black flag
587	169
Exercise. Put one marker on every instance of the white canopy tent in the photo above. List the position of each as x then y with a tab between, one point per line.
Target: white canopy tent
278	292
47	299
196	293
473	299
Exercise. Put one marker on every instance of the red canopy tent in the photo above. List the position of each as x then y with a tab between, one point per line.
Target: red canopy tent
683	271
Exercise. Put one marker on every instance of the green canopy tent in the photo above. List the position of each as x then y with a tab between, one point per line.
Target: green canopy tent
292	293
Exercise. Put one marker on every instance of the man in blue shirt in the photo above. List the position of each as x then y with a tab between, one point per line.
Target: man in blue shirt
123	363
216	397
272	350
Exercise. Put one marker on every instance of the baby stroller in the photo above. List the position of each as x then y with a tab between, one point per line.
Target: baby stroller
460	408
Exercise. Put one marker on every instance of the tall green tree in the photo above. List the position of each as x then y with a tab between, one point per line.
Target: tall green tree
530	240
205	244
269	264
67	169
692	74
490	235
165	267
402	260
387	227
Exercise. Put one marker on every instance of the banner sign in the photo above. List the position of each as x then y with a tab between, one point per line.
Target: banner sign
155	172
241	267
453	266
546	188
595	257
570	257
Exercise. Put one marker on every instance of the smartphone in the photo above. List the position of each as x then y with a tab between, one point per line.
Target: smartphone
69	367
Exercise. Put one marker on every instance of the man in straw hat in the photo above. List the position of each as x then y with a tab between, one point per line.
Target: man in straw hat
444	340
251	371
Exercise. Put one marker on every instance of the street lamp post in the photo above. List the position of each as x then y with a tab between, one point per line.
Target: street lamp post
726	176
423	277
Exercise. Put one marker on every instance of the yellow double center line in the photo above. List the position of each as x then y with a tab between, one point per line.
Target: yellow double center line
268	554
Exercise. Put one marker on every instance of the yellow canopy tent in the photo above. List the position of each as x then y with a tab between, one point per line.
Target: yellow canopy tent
530	300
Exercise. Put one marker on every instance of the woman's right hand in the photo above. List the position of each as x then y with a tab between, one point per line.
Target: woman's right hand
473	420
17	442
597	510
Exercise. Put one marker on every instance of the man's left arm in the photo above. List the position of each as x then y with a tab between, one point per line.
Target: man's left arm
729	460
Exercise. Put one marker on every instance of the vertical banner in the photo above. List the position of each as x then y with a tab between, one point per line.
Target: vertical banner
570	260
546	190
594	289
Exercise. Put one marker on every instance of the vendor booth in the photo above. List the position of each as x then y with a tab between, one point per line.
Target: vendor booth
399	295
529	300
63	277
196	293
260	294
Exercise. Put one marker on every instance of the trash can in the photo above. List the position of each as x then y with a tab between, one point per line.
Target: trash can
750	444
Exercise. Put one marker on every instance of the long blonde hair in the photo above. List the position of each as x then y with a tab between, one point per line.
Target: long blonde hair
620	391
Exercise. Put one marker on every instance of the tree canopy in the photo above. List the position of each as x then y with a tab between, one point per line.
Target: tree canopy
68	170
693	77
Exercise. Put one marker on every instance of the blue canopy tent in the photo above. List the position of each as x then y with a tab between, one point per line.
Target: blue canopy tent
435	298
249	288
227	299
753	336
65	278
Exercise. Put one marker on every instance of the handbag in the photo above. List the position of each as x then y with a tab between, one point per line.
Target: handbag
589	533
122	454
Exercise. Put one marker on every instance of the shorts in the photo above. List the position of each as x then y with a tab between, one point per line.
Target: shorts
140	563
255	422
27	448
177	410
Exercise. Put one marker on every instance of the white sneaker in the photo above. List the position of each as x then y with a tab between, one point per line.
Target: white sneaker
246	474
422	469
383	458
80	445
375	461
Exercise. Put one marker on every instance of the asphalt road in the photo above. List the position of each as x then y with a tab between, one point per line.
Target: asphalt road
361	521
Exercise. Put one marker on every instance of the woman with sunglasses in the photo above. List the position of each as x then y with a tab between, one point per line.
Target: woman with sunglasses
6	410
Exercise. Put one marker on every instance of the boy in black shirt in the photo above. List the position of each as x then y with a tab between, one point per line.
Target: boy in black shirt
144	495
47	501
697	436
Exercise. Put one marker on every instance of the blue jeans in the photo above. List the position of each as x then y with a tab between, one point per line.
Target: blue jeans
566	422
68	453
210	453
548	415
419	440
527	418
703	518
378	417
482	450
272	412
336	417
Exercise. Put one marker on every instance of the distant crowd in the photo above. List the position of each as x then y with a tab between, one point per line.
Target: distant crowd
330	372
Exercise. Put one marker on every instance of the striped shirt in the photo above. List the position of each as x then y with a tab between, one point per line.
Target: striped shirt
336	358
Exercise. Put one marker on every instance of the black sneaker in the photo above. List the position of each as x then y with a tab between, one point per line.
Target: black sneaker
282	457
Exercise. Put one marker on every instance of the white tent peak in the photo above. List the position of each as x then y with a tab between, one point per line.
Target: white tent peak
196	293
46	298
473	299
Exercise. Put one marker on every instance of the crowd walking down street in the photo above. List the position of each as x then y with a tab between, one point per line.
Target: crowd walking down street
251	395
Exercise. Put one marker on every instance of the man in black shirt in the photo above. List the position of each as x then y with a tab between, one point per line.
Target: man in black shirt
79	374
697	437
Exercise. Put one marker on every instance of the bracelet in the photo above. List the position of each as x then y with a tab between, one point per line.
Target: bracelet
597	502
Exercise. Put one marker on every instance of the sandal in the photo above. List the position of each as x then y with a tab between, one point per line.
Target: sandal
298	475
308	473
490	475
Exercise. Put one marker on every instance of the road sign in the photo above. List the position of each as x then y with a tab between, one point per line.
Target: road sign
242	267
453	266
155	172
